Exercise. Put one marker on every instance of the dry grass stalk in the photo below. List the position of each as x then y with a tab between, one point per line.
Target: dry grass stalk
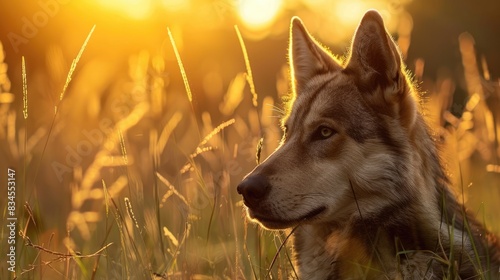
25	90
181	67
249	75
74	63
130	211
201	149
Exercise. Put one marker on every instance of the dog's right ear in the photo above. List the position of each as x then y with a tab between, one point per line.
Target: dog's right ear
307	57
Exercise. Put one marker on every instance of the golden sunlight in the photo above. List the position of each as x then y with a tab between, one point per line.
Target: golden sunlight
144	116
137	9
176	5
350	11
258	14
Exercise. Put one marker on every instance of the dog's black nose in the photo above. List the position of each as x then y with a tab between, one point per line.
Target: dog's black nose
254	188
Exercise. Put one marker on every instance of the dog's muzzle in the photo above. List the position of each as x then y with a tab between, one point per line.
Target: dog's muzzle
254	189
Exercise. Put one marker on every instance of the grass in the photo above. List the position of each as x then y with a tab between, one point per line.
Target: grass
154	196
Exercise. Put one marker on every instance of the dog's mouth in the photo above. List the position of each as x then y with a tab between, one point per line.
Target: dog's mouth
279	223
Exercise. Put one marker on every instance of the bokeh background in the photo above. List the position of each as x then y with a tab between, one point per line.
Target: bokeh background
128	176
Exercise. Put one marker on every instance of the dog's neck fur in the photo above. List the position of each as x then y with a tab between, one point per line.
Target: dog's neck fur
396	243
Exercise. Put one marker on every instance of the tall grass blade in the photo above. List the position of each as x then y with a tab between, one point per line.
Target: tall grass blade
130	211
172	189
167	131
25	89
181	67
247	65
123	148
214	132
74	63
259	150
103	248
171	237
68	79
200	149
278	252
25	115
106	196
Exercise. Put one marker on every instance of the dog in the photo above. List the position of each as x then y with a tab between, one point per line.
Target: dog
357	175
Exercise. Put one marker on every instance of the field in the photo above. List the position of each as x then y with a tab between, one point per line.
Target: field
122	143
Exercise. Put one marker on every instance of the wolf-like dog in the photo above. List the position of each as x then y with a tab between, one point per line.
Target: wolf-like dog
357	174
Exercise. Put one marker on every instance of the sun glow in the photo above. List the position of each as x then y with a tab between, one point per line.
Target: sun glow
258	14
176	5
350	11
137	9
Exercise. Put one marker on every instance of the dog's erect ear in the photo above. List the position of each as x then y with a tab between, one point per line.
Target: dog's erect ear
307	57
376	64
374	56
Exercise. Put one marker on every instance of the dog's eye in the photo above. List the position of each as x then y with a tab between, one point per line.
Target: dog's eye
324	132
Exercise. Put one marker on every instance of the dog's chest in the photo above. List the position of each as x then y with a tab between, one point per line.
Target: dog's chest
316	253
323	254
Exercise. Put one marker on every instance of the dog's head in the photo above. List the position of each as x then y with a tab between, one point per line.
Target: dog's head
345	135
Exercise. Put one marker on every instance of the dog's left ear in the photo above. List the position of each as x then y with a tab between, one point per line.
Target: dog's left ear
307	57
376	63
